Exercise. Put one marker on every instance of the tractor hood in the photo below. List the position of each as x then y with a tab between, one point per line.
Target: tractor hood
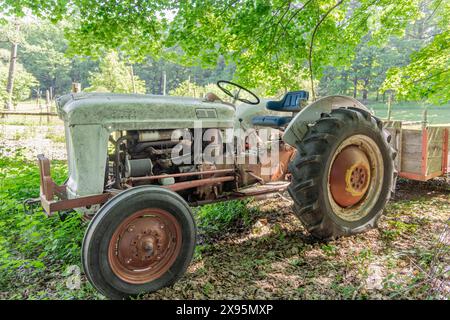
138	111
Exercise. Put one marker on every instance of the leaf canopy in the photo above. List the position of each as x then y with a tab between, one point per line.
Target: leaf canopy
275	44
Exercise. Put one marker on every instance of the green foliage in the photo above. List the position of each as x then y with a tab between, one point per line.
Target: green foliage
43	53
32	244
371	63
23	80
275	44
426	77
219	217
189	89
115	76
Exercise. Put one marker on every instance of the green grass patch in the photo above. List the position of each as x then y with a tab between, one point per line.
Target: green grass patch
35	249
55	137
32	246
221	217
413	111
329	249
397	228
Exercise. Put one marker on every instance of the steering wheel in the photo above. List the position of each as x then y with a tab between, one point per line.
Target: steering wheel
235	96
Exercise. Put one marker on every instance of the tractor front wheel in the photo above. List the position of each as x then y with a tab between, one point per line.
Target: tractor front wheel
140	241
343	174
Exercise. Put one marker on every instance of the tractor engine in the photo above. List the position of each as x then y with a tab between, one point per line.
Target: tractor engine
145	157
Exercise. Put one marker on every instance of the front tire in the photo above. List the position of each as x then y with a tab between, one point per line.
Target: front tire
343	174
140	241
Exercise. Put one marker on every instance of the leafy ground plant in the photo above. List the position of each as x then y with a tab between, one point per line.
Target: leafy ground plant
216	220
36	251
253	249
33	247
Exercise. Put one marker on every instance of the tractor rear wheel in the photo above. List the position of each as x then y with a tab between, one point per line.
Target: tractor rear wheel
140	241
343	174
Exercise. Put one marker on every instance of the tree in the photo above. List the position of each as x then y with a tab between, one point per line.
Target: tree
275	44
152	71
23	82
11	35
426	77
189	89
372	63
115	76
43	54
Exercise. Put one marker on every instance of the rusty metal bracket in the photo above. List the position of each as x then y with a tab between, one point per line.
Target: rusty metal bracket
54	197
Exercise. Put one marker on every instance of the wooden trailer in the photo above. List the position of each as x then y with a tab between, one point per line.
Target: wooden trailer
423	151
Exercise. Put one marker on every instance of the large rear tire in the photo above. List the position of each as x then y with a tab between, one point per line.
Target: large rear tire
343	174
140	241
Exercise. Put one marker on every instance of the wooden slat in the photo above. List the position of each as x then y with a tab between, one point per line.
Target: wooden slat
411	151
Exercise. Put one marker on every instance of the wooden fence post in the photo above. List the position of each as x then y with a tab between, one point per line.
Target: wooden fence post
132	78
47	104
76	87
425	117
389	106
164	83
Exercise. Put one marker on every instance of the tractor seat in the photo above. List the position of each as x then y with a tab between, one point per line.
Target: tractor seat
291	102
271	121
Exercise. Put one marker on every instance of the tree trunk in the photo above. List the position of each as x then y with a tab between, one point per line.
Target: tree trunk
11	73
364	94
132	78
365	91
164	82
344	90
355	83
160	90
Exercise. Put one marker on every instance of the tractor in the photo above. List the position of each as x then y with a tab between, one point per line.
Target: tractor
137	164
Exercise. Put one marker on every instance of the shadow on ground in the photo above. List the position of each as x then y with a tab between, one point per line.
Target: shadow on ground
277	259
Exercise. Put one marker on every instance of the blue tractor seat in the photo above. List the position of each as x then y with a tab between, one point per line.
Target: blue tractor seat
291	102
271	121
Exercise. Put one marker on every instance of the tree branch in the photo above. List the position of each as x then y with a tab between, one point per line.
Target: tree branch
312	44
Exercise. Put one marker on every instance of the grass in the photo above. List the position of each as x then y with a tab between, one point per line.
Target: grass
413	111
247	249
55	137
34	247
36	250
21	120
213	220
406	111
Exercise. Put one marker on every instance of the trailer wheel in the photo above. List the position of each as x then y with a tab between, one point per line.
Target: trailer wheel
343	174
140	241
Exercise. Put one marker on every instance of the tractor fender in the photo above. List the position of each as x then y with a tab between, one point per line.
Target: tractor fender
298	127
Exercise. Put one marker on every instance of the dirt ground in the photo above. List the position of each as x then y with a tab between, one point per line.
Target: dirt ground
407	257
274	257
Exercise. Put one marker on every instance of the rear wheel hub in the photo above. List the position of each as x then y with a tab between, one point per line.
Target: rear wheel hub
349	176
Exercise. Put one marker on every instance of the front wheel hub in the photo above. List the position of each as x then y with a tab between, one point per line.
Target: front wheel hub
349	176
145	246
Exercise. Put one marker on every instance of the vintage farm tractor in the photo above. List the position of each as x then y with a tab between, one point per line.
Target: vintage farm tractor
137	163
